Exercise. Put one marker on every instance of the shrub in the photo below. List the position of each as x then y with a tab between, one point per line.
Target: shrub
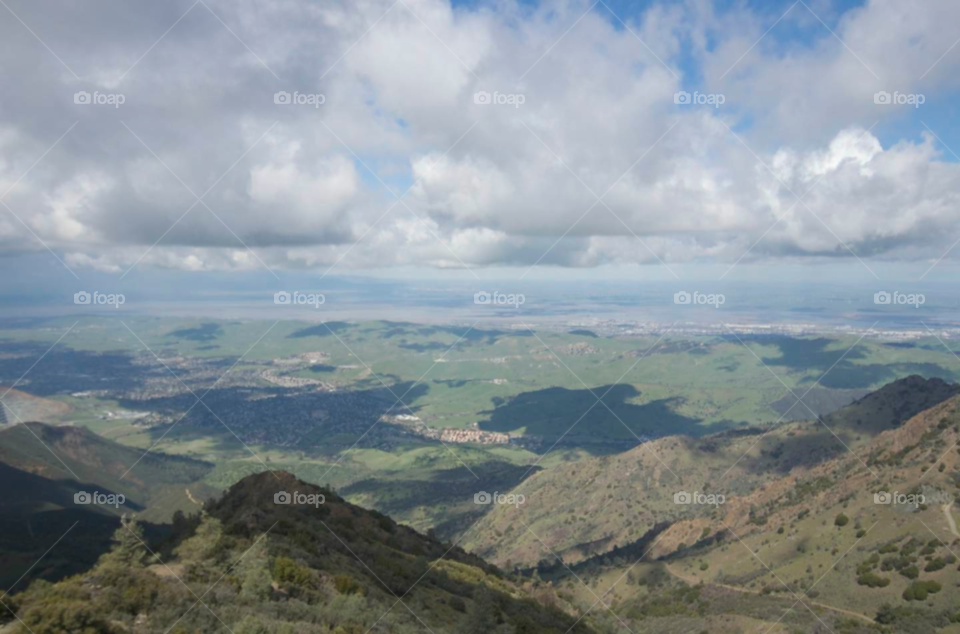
345	584
842	520
872	580
935	565
287	572
918	590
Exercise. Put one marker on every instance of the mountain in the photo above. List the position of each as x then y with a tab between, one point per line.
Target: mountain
36	512
317	564
154	488
592	506
39	505
891	405
826	535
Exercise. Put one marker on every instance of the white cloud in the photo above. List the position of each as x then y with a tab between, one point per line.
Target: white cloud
598	104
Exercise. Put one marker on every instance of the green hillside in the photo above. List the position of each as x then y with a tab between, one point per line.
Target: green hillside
591	506
251	565
154	484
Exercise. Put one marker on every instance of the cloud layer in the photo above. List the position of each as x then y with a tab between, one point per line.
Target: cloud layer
200	169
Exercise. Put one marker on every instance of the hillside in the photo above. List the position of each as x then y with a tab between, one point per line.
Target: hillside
252	565
155	488
592	506
819	535
39	507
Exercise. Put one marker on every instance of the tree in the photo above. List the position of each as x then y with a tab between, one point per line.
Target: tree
483	614
254	573
842	520
129	548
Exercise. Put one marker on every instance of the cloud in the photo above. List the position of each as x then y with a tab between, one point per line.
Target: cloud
597	166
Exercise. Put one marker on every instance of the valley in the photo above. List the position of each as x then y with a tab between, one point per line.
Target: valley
559	489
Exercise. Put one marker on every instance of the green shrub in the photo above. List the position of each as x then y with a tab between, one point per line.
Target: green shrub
918	590
872	580
287	572
345	584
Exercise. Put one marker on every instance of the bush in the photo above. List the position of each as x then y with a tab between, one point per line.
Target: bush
918	590
935	565
287	572
346	584
872	580
842	520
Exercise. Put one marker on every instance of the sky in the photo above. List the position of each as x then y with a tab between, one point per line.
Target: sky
148	142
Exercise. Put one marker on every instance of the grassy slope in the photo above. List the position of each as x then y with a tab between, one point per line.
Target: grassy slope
154	488
594	505
811	547
333	568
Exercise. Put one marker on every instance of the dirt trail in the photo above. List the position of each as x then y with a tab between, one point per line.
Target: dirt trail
695	581
193	499
950	520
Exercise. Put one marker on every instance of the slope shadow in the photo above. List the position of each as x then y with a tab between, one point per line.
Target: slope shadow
37	512
551	412
450	488
844	372
321	330
204	332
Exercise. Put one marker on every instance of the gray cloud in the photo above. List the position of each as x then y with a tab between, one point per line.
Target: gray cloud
490	185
